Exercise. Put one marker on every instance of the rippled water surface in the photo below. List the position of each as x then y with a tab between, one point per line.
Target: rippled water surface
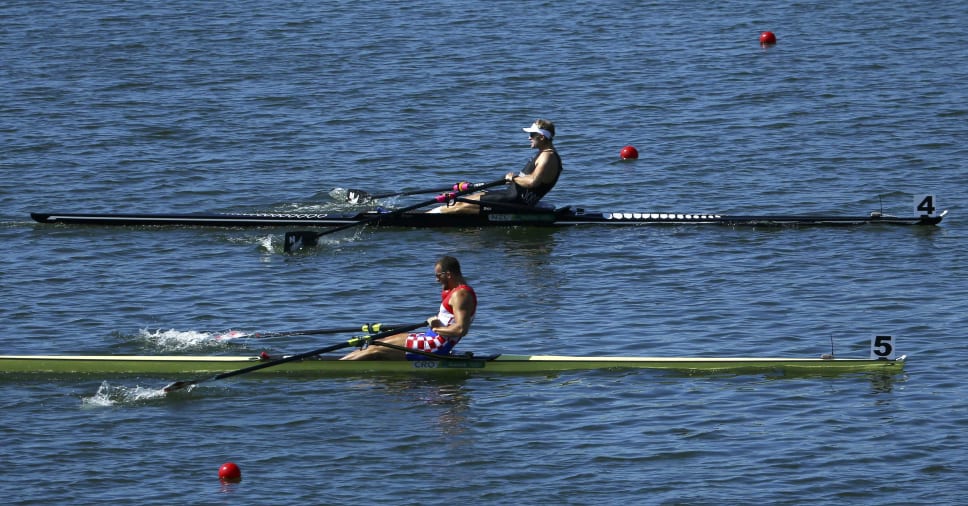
270	106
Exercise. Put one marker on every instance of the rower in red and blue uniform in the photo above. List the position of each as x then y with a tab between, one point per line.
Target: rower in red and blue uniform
458	304
433	341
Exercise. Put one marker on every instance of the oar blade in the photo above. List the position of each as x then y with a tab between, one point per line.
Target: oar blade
299	239
358	196
178	385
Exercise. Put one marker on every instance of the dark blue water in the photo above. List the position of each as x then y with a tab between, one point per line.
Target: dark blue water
270	106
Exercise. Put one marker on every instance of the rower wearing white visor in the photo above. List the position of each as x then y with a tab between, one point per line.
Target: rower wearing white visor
527	187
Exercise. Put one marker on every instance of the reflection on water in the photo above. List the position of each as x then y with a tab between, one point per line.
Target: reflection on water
883	383
446	397
528	252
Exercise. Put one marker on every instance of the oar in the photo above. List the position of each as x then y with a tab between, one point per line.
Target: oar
360	196
302	238
366	327
356	341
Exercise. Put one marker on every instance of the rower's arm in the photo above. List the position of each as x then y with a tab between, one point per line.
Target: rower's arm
543	173
464	306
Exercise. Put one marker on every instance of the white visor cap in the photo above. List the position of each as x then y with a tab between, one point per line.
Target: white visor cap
537	130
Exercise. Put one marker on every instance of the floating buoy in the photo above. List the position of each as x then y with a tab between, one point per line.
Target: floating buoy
629	153
767	38
230	472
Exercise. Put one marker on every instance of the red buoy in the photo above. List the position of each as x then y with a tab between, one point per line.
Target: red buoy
629	153
767	38
229	472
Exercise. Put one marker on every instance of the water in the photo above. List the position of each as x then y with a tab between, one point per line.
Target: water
269	106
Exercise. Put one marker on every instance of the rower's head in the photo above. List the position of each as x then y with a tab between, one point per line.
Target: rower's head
541	130
448	264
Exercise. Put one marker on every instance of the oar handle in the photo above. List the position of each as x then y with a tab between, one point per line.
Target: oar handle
356	341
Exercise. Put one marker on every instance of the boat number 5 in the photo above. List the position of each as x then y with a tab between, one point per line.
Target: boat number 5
882	347
924	205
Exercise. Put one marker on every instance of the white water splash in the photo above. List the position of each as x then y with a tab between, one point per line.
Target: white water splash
178	340
108	395
266	243
339	194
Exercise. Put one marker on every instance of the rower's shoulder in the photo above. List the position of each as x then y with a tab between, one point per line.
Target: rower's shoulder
463	287
549	155
463	290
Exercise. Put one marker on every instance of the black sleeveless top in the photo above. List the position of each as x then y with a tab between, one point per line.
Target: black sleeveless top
531	196
517	194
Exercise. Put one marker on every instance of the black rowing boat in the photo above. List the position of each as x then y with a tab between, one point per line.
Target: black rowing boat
561	217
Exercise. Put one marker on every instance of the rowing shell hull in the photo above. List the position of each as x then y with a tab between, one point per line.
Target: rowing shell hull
22	365
560	218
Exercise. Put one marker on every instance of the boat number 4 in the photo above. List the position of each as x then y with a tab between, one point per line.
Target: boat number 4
882	347
925	205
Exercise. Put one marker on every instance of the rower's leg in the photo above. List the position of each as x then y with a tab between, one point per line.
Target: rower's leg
460	207
380	352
